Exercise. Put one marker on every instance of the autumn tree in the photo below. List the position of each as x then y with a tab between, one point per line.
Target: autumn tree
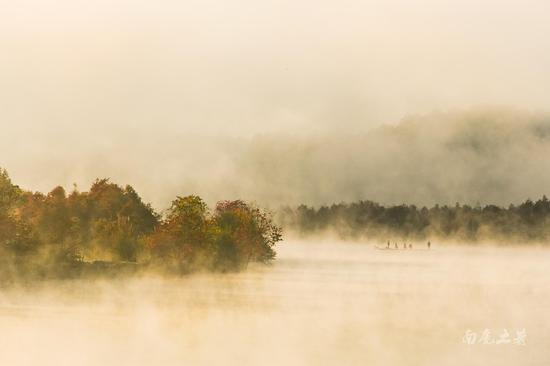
191	237
245	234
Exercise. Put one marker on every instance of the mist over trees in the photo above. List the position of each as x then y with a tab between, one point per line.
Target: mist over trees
108	228
526	222
487	154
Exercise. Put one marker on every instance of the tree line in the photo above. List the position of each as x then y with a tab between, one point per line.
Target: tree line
526	222
110	229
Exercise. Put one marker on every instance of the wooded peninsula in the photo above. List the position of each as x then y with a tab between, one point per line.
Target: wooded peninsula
110	230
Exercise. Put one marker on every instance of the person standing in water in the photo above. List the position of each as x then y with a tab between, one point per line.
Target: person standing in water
429	245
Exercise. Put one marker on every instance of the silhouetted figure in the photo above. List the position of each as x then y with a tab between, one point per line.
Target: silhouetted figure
410	246
429	245
388	245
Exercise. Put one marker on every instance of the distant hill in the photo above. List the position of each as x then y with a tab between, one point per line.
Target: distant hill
489	155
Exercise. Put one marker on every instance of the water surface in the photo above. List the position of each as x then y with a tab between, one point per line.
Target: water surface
320	303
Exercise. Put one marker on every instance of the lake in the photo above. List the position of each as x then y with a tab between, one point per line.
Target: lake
320	303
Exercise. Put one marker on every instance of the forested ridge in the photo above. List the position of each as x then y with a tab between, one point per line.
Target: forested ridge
109	229
526	222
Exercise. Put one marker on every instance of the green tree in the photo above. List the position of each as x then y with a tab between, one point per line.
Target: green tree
184	238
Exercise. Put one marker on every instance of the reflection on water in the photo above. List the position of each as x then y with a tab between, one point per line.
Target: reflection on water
319	304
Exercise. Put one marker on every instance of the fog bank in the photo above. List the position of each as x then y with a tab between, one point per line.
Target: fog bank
486	155
489	155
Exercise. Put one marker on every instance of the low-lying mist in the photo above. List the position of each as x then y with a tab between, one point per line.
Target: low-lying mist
320	303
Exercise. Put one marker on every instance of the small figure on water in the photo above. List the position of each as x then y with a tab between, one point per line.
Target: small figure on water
388	245
429	245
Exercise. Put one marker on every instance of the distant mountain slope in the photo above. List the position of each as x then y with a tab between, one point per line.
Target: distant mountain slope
482	155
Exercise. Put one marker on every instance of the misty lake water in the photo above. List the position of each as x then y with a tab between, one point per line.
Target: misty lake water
320	303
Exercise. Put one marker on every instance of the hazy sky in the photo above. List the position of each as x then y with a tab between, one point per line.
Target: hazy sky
151	80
